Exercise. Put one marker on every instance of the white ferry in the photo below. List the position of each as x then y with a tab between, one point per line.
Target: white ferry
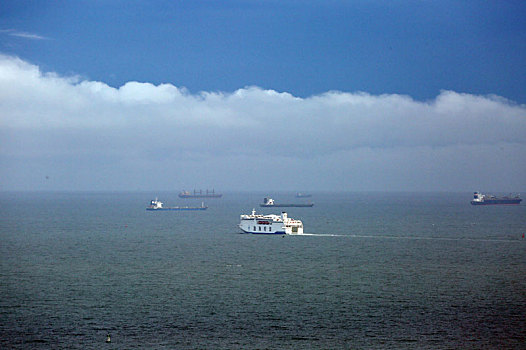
270	224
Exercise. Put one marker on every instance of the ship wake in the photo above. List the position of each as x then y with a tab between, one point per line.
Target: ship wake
410	237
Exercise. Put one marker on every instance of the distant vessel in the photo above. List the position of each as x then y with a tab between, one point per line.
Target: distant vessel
156	204
200	194
484	199
303	195
270	224
269	202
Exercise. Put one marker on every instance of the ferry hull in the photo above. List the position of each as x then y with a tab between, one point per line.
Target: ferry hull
265	233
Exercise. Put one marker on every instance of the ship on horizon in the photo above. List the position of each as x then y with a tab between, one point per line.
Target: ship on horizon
269	202
200	194
156	204
485	199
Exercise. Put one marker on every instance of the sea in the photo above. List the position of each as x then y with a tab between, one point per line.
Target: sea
372	271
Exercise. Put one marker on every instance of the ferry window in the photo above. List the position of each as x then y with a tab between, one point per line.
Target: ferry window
254	228
260	228
264	228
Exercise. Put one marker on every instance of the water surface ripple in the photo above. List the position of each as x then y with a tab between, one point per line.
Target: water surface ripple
373	271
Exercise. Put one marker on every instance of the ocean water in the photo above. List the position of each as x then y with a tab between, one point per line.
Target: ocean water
373	271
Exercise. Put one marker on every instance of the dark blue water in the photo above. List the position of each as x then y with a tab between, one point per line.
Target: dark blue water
395	271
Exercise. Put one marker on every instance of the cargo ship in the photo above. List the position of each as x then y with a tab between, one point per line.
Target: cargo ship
484	199
200	194
270	224
156	204
269	202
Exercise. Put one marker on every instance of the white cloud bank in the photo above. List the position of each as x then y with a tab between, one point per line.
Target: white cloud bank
96	136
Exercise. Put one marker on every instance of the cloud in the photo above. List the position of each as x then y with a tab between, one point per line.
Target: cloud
47	116
25	35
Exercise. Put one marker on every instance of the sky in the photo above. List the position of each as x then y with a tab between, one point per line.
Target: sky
263	95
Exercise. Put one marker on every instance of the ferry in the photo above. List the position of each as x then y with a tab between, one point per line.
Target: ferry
269	202
270	224
484	199
156	204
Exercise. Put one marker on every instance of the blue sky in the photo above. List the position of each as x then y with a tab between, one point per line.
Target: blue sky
375	95
416	48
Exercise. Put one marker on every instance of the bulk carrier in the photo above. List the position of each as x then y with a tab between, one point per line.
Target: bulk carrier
269	202
156	204
200	194
484	199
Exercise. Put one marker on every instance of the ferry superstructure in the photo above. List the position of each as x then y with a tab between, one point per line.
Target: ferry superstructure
270	224
484	199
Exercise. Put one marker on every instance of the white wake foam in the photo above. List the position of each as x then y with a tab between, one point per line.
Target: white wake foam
409	237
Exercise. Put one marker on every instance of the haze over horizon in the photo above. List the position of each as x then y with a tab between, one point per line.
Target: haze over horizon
243	96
